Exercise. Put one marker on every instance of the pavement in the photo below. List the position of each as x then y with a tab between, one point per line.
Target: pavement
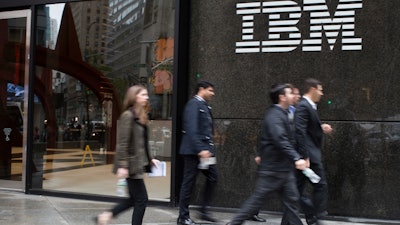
17	208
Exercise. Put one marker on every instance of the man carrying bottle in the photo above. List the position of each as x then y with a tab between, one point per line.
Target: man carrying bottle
278	160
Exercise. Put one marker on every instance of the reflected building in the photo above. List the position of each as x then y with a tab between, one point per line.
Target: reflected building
92	24
126	20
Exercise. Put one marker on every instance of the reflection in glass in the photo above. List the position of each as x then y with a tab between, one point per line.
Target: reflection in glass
86	61
12	70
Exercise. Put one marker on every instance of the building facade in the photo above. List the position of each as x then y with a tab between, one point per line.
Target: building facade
59	107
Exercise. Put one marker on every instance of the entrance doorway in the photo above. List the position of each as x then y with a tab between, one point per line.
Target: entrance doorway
14	64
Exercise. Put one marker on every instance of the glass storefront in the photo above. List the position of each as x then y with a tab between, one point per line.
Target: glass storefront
86	56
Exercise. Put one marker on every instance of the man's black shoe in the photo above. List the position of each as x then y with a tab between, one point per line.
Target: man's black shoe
187	221
312	220
257	218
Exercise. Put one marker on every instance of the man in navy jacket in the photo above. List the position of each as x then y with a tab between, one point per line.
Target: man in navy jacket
279	159
197	149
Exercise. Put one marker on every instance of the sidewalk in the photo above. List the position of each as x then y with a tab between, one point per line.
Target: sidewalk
17	208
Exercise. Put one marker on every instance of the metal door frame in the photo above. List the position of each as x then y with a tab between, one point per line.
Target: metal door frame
26	13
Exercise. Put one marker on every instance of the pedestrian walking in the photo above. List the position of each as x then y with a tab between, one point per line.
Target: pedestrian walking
278	160
198	152
132	157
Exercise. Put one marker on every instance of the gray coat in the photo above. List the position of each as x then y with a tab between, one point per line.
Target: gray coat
131	144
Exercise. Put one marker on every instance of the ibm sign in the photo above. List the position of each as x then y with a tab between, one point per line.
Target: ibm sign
341	24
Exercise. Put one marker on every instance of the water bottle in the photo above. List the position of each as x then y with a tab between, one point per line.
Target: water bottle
121	187
314	178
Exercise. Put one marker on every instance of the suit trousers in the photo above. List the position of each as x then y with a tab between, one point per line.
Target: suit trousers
267	182
190	172
318	204
137	199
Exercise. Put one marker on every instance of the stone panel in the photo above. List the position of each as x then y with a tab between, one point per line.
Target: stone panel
361	101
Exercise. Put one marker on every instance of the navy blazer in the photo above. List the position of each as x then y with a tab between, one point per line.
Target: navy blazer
308	131
197	133
277	149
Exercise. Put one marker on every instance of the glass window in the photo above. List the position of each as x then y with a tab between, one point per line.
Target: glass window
85	82
12	98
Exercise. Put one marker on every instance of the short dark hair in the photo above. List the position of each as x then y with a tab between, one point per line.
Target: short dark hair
203	84
311	82
276	90
290	85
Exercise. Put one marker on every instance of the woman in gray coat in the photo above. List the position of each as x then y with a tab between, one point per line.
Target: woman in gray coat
132	155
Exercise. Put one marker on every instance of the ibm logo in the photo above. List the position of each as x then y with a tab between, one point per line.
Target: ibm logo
341	24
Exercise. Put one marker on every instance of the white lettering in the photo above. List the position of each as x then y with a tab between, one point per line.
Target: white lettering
247	10
284	34
342	22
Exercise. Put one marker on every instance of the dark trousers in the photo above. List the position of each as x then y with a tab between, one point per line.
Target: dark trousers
268	182
190	172
318	204
137	198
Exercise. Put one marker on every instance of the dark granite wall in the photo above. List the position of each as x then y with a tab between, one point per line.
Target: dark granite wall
361	157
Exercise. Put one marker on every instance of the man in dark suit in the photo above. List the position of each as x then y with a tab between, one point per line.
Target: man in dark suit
278	160
197	149
309	133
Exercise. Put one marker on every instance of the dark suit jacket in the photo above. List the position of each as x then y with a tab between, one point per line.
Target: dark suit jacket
308	131
197	128
277	149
